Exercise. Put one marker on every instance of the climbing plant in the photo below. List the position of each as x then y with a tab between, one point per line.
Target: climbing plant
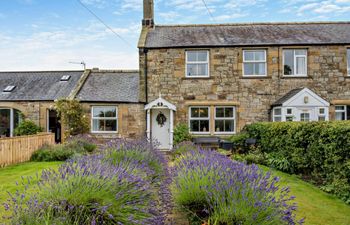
72	117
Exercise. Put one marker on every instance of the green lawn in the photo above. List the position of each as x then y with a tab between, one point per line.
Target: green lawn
9	176
316	206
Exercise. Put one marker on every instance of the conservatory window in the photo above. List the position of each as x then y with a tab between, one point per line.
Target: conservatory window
224	119
199	119
104	119
254	63
277	114
321	114
305	117
295	62
197	63
289	114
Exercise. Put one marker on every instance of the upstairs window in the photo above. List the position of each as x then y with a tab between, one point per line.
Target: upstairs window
104	119
224	119
199	119
295	62
348	57
197	63
254	63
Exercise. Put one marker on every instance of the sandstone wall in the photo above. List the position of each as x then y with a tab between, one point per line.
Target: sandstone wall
131	120
327	76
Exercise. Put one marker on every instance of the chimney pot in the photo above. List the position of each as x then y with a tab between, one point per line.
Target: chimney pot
148	13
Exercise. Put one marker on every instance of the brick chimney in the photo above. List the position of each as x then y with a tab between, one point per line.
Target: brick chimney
148	13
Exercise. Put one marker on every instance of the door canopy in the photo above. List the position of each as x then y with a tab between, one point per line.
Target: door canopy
160	103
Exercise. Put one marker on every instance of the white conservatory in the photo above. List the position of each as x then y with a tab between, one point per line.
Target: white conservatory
300	104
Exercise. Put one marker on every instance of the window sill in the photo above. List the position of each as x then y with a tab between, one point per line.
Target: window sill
224	133
295	77
196	78
104	132
255	77
200	133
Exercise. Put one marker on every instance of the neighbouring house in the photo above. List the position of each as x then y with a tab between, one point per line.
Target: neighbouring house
109	98
32	95
218	78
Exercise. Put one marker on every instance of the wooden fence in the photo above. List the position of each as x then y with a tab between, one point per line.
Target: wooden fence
19	149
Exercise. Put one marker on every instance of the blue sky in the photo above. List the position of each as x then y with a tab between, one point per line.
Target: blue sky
48	34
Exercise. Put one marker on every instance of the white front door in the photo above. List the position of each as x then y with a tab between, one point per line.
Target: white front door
161	127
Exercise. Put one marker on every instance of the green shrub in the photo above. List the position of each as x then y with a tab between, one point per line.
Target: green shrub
319	151
73	147
27	127
182	148
52	153
181	134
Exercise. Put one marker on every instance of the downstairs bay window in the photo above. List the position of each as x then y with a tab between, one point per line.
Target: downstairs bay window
104	119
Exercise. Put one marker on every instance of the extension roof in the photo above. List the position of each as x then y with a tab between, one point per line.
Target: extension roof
251	34
111	86
287	96
37	86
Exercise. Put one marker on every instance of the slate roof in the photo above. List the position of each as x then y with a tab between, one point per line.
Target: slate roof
37	86
287	96
111	86
263	34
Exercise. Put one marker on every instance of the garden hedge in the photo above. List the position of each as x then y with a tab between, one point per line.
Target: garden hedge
319	151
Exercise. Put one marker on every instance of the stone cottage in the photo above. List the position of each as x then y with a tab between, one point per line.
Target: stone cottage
218	78
109	98
214	78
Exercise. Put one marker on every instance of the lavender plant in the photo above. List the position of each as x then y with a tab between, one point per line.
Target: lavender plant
211	187
93	189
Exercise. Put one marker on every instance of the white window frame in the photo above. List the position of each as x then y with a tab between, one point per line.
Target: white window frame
289	114
198	62
226	118
305	114
258	61
342	111
274	115
319	114
348	60
295	62
198	118
104	118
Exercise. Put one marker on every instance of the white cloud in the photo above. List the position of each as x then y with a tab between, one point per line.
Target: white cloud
230	16
308	7
47	50
169	16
